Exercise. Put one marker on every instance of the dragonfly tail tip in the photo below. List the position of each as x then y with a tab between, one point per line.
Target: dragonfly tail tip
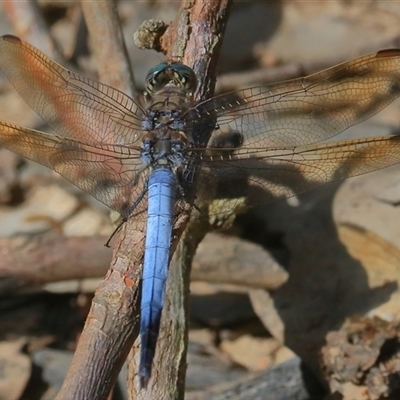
143	381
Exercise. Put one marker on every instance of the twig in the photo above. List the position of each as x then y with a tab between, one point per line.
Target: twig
110	328
28	23
30	262
108	44
34	261
194	38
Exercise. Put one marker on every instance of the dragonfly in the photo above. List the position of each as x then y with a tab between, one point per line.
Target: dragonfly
143	159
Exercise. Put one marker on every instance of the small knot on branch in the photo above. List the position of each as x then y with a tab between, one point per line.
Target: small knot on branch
148	36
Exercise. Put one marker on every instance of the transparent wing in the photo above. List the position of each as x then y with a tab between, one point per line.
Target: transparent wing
307	110
74	106
262	175
110	173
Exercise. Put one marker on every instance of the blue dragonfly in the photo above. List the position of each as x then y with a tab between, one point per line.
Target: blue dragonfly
250	146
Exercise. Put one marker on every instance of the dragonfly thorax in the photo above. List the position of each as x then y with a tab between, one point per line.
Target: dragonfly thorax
164	147
159	119
167	109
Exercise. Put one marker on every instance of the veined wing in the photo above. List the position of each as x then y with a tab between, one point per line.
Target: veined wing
263	175
110	173
311	109
74	106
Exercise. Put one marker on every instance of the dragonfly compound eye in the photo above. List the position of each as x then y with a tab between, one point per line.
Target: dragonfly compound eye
170	74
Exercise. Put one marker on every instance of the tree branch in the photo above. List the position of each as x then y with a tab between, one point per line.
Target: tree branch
111	325
194	38
108	44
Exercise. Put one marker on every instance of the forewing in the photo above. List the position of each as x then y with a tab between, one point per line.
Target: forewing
110	173
307	110
74	106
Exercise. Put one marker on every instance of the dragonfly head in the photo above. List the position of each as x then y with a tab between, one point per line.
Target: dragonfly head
168	73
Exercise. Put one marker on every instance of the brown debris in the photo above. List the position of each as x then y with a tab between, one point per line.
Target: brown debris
364	355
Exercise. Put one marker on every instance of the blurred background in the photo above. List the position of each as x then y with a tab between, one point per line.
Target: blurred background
302	290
